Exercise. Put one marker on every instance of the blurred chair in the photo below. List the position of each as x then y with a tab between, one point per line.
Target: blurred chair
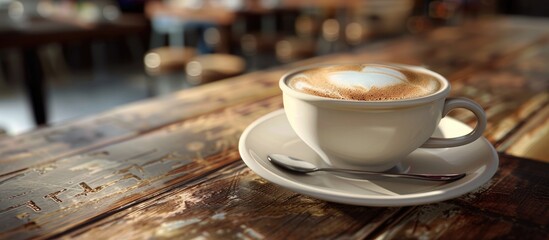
198	69
255	29
293	48
253	45
385	17
301	46
330	36
164	61
174	19
211	67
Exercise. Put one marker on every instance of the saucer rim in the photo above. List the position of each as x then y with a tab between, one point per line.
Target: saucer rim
429	196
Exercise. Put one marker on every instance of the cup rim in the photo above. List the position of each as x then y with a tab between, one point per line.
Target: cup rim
440	93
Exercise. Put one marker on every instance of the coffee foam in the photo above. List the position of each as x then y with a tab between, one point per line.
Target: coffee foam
371	82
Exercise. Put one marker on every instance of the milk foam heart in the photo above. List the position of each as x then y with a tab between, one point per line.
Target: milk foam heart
367	78
372	82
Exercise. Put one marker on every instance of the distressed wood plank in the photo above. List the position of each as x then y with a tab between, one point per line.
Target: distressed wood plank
532	139
236	203
512	205
51	198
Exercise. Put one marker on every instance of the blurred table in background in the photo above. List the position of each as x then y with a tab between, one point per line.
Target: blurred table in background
169	167
31	34
40	31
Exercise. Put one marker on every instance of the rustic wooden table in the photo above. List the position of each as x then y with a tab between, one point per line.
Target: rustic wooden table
170	167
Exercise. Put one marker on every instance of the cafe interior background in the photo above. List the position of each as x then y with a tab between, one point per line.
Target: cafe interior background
97	55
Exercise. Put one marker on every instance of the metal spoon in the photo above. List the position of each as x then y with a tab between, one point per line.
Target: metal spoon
301	166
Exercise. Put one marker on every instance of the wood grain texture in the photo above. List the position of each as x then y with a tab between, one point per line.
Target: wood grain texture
54	197
512	205
532	139
235	202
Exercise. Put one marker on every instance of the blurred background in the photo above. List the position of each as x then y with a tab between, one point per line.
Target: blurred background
64	59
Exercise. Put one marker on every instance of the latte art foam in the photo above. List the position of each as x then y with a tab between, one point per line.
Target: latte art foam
371	82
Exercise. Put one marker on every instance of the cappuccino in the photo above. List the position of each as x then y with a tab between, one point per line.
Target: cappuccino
371	116
365	82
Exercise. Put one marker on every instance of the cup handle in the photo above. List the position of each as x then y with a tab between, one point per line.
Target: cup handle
449	105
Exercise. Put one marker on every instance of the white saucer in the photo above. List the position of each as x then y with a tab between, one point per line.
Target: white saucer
273	134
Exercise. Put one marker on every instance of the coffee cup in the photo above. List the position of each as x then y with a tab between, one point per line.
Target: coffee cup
371	116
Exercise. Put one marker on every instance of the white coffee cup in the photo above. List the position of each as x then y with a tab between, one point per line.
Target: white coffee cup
374	135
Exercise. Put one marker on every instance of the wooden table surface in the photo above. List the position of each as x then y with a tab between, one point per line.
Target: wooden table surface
169	167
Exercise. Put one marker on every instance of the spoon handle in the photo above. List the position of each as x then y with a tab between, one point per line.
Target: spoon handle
431	177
